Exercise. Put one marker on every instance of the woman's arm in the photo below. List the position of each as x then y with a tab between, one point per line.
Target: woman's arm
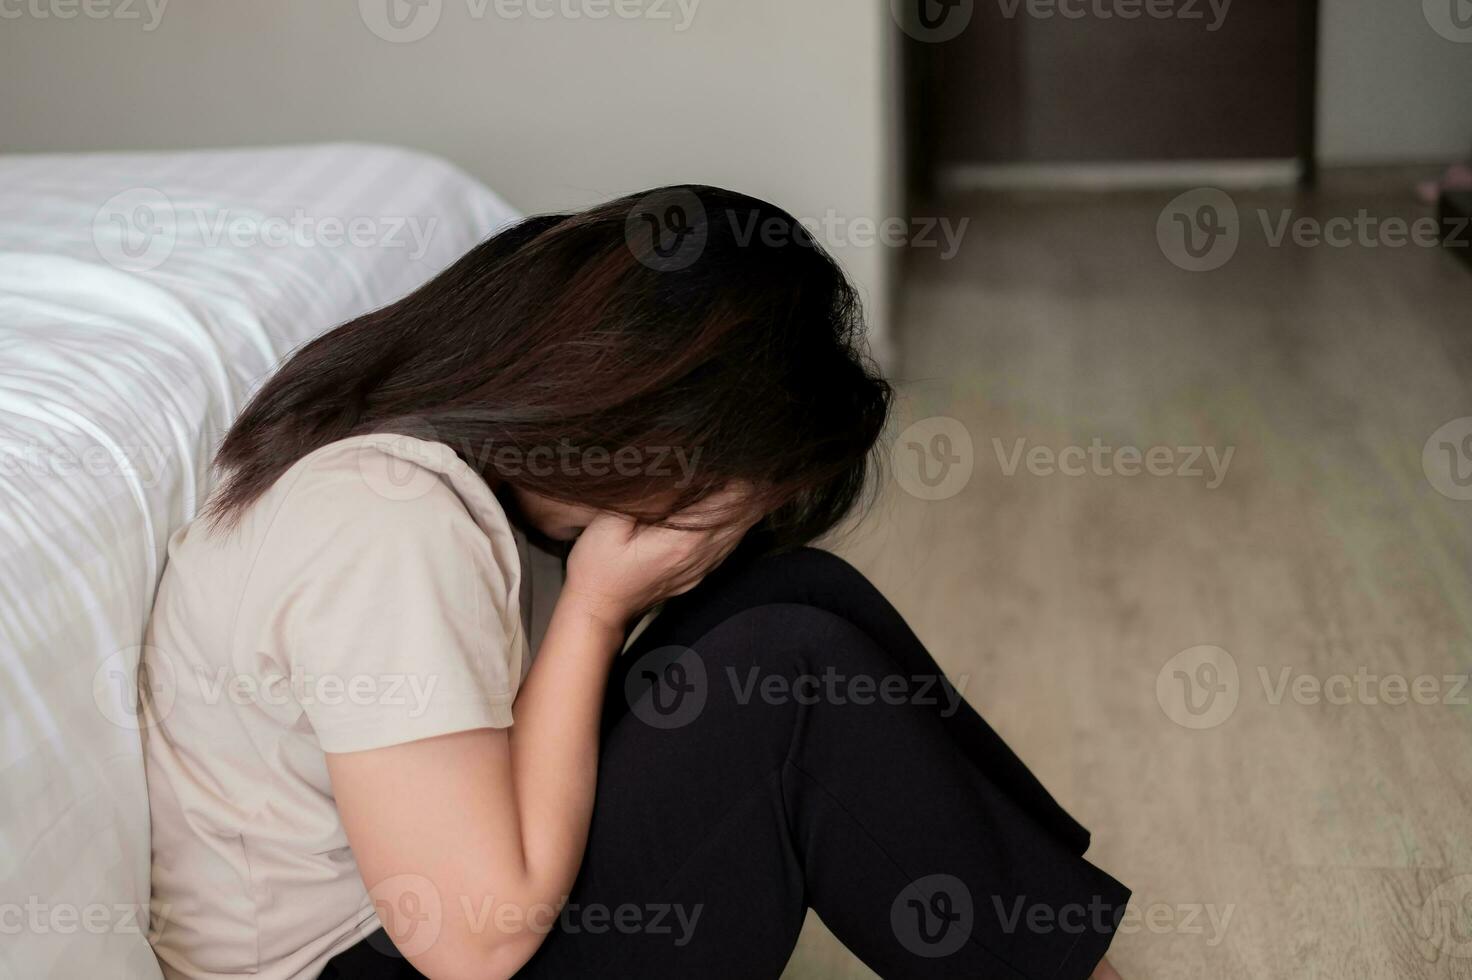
470	842
483	830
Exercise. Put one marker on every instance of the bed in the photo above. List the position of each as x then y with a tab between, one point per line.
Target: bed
142	296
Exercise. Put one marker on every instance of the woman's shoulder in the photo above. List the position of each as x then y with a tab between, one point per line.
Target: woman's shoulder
385	479
379	507
383	492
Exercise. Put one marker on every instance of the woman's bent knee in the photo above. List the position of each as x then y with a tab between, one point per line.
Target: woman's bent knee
775	656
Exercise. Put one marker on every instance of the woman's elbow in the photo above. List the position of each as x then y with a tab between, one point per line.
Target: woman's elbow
495	955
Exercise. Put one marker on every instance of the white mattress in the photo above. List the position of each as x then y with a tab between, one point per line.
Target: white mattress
141	298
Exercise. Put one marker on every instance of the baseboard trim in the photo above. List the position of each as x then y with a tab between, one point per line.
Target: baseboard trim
1227	174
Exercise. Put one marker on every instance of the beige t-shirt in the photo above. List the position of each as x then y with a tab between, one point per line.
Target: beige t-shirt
374	595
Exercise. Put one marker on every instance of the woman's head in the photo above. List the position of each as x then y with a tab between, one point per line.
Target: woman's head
634	357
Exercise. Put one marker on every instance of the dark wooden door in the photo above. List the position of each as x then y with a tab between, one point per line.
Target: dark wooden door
1109	80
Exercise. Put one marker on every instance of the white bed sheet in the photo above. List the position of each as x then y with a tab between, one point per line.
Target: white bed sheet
142	296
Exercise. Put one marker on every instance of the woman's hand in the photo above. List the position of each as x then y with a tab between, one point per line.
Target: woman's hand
618	569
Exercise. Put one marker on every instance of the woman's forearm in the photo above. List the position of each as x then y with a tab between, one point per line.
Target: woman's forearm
554	743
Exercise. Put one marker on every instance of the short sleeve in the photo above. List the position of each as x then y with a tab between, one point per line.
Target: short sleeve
400	617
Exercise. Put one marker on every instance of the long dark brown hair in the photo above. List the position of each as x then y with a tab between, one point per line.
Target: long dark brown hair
688	322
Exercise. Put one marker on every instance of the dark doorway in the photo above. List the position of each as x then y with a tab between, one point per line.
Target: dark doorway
1095	81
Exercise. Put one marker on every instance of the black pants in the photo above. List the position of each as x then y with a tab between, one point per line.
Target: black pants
777	740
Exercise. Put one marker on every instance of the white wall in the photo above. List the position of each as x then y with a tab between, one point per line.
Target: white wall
1393	89
784	99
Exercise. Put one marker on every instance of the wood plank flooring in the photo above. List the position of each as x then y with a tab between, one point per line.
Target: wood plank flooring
1328	832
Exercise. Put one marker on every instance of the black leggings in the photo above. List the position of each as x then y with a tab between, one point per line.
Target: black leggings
778	739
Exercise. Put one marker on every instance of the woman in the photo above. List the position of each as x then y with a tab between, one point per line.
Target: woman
653	382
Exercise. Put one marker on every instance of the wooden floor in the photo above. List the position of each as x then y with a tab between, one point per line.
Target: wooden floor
1290	836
